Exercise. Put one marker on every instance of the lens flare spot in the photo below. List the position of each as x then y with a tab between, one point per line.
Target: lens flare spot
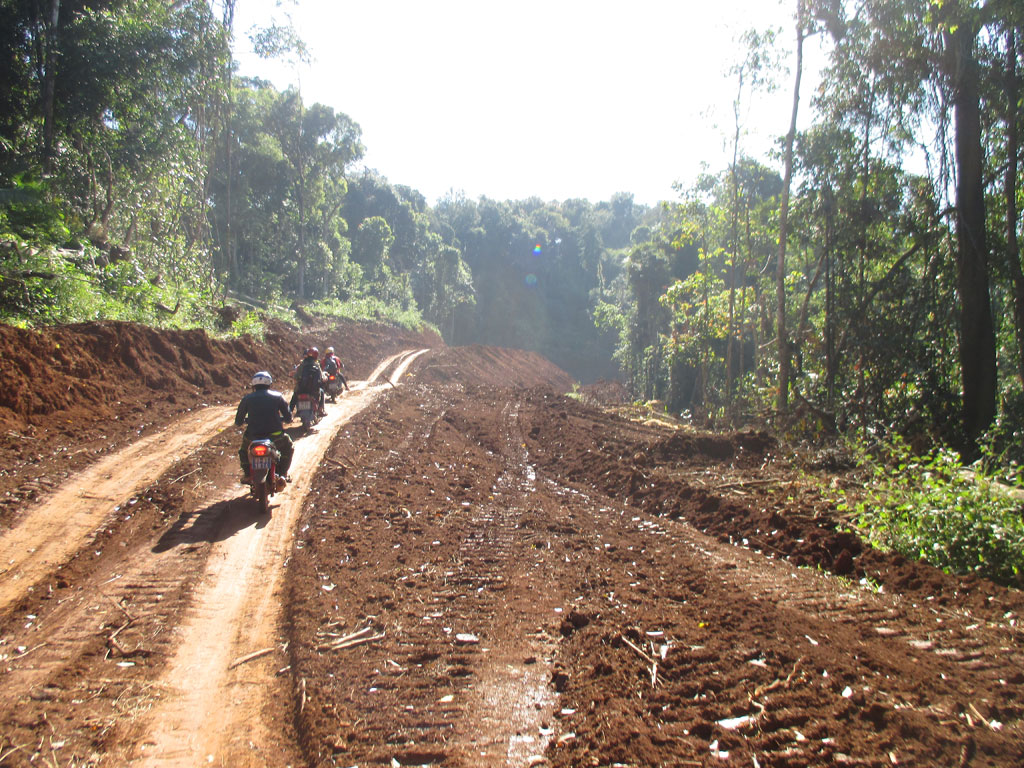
537	250
530	280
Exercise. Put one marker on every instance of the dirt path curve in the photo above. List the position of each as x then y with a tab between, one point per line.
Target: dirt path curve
60	524
209	709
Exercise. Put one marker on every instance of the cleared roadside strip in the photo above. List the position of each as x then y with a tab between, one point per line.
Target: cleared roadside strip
208	713
57	526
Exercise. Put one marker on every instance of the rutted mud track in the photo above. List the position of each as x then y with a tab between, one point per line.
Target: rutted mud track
484	512
487	573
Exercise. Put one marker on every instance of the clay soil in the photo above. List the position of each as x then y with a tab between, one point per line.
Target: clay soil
470	569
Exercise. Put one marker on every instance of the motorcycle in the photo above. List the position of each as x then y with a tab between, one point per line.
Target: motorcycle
308	410
263	479
333	385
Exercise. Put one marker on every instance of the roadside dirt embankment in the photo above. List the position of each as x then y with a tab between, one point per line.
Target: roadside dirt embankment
71	394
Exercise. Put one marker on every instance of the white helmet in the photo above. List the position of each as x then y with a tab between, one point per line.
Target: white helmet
261	379
330	350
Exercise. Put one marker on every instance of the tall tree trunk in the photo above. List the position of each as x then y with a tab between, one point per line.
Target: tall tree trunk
229	183
302	206
1010	194
977	335
232	251
734	246
50	85
860	402
755	340
782	339
830	301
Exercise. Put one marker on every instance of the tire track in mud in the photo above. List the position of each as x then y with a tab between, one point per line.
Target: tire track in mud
441	529
512	703
938	641
210	705
843	648
462	675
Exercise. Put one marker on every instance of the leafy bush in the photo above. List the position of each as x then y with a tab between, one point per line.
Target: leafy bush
37	286
933	508
250	323
369	308
41	285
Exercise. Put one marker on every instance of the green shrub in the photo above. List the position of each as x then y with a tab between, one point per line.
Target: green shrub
250	323
933	508
369	308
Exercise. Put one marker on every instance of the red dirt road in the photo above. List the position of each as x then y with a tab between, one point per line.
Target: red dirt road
479	571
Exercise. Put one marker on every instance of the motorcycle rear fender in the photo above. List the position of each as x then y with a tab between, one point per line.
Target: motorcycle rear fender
274	453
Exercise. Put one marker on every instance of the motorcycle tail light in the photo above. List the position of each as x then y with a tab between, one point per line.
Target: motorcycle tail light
331	378
259	450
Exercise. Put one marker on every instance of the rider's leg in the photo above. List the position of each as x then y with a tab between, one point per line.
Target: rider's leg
243	455
283	443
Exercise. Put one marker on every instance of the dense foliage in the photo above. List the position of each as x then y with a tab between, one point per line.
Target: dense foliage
868	277
892	299
930	508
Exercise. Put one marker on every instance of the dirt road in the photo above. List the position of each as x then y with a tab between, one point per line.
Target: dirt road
476	571
54	528
210	705
224	597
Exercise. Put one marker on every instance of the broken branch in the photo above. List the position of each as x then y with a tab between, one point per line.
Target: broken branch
179	479
744	484
354	636
763	689
249	657
123	610
26	653
11	751
639	651
116	632
341	645
980	716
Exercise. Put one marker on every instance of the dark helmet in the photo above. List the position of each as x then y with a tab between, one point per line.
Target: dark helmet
313	352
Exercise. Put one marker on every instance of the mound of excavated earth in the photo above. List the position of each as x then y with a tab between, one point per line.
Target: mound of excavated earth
470	569
71	393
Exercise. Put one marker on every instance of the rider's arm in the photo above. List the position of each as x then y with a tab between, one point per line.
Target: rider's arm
241	412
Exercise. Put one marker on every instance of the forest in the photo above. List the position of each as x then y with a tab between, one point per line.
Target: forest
864	279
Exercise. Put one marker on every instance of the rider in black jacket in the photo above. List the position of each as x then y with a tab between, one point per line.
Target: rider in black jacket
308	380
265	412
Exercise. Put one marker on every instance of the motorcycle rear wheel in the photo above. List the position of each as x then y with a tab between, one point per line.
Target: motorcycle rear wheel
259	490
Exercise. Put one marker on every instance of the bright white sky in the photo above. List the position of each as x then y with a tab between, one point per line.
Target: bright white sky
553	98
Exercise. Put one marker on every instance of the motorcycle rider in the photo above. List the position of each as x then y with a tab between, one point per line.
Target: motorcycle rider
308	380
265	413
332	366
